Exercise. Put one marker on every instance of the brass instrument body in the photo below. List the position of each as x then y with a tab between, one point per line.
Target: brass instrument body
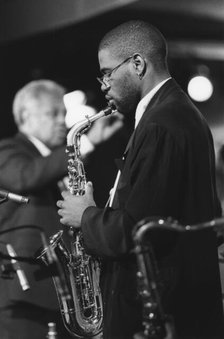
157	325
153	314
76	172
82	313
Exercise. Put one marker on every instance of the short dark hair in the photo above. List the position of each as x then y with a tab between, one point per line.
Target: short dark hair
136	36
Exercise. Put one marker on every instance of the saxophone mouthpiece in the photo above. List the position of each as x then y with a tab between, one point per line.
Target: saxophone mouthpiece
113	107
108	110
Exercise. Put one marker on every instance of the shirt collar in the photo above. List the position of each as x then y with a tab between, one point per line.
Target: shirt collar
143	103
42	148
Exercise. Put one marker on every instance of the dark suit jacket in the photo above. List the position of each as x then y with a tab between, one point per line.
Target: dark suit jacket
168	171
24	171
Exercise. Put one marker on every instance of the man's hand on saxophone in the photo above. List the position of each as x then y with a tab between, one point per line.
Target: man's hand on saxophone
72	207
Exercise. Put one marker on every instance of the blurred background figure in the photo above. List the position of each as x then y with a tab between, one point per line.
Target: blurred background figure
34	163
218	137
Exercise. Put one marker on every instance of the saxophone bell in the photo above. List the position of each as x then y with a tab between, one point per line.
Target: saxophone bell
81	315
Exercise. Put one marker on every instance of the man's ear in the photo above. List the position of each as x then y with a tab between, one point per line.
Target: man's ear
24	116
139	65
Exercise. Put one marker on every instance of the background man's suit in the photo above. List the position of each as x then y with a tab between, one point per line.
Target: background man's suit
36	177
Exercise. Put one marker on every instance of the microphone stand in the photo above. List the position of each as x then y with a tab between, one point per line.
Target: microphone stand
42	272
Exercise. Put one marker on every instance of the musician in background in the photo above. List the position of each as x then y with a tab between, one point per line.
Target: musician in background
168	170
34	163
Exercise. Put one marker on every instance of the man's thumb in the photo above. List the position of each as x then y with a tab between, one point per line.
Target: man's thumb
89	186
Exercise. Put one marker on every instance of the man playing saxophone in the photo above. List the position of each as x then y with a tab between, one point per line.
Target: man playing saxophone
167	170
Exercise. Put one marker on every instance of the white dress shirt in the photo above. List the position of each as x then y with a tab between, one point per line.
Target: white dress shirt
143	103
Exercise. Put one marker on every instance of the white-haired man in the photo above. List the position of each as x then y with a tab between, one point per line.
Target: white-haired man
33	163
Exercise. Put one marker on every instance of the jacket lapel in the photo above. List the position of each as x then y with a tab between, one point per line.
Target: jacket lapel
158	98
23	140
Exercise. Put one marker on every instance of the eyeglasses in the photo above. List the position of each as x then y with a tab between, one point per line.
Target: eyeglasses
105	79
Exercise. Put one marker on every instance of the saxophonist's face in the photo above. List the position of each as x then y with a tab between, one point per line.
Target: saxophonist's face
118	81
46	120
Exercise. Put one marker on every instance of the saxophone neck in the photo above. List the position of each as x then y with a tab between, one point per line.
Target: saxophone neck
83	125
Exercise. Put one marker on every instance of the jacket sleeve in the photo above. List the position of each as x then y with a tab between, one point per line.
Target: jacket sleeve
24	171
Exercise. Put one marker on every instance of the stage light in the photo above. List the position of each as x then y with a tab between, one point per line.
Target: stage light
200	87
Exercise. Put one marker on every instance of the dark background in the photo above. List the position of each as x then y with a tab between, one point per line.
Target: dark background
36	42
67	52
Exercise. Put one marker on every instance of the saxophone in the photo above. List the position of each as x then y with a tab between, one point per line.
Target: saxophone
155	321
156	324
77	283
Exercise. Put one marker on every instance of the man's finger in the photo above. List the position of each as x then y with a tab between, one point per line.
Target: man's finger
59	203
89	187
